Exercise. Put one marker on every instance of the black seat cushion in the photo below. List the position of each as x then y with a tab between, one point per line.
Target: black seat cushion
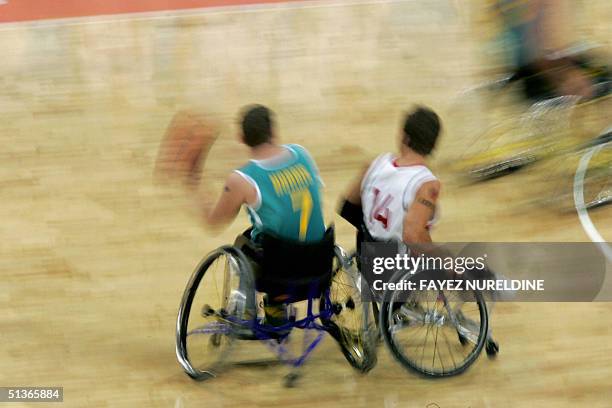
292	271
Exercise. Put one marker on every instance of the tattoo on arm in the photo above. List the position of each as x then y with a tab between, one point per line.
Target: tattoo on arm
426	203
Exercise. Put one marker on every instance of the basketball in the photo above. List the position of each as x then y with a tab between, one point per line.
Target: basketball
185	145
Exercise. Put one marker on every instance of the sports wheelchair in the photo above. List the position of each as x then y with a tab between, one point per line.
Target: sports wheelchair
519	119
219	310
435	333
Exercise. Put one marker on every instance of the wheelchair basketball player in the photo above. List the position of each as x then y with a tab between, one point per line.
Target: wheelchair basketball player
279	186
394	199
537	34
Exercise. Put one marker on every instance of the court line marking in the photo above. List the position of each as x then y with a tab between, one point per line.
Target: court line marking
583	215
191	12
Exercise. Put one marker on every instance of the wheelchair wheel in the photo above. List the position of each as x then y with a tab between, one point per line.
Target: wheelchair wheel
597	183
352	323
512	144
435	333
557	184
212	306
593	191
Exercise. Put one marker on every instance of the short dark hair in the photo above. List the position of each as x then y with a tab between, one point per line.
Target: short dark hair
257	122
421	130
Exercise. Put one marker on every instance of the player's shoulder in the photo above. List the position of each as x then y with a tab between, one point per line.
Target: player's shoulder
424	177
303	154
246	167
381	158
433	183
371	169
299	149
237	179
427	172
430	188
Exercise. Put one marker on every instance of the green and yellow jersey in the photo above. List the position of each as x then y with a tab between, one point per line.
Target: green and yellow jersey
289	197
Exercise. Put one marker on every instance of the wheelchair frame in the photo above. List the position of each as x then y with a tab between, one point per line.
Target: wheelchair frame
238	328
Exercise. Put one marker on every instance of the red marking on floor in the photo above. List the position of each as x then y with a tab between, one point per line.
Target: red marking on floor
26	10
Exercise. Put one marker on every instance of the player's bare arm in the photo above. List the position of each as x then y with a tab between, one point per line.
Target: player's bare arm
219	215
417	220
420	213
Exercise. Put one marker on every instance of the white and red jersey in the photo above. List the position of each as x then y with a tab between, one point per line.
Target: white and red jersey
387	191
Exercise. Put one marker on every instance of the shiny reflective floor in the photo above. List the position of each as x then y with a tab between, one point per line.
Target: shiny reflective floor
94	257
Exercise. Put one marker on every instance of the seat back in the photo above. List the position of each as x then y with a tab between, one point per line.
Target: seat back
292	271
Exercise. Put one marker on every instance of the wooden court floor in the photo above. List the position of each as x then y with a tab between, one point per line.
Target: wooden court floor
94	256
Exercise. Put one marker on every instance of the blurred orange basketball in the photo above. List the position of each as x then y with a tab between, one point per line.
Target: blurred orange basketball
185	145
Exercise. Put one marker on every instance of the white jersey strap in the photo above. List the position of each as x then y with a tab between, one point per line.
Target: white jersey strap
372	170
415	184
252	182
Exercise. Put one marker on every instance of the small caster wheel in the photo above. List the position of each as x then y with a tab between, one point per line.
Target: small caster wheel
492	348
291	379
207	311
337	308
